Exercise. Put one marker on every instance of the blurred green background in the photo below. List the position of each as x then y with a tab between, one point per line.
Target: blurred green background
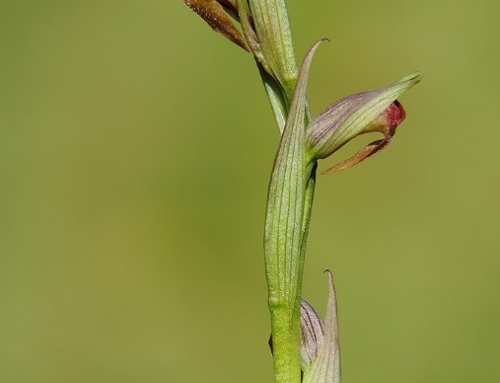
135	151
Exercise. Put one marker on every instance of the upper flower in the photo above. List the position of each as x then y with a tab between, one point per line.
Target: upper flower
373	111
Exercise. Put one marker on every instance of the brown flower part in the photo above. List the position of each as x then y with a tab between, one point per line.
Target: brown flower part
217	16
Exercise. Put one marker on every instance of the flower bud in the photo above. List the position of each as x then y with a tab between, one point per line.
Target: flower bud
311	334
319	348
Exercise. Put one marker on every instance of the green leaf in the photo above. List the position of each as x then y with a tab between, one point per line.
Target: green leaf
286	194
285	232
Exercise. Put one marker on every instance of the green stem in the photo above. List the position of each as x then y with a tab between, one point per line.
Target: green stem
288	253
291	193
291	188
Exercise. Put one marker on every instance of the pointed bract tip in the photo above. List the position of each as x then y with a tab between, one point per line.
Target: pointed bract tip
414	77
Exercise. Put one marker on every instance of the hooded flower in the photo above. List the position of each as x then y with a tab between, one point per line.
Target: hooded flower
373	111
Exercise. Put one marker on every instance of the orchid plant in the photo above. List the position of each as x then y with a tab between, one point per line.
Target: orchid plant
305	348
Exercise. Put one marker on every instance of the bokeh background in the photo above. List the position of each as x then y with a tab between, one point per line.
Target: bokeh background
135	151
